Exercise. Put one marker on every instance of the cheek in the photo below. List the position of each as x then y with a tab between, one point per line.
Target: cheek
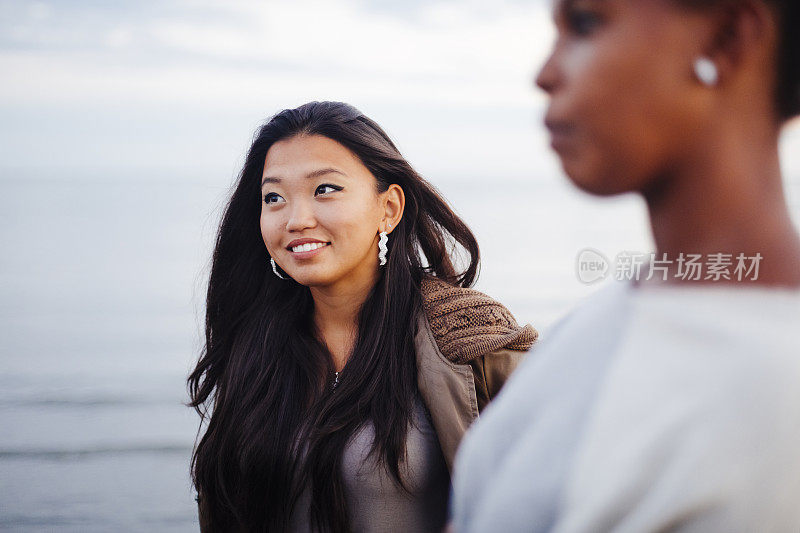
270	225
353	228
628	120
613	91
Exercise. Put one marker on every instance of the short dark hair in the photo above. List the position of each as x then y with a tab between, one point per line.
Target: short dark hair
787	65
788	58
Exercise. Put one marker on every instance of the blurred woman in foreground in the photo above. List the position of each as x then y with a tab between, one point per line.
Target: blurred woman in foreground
345	355
671	402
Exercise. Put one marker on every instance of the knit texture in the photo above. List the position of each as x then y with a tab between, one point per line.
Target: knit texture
467	324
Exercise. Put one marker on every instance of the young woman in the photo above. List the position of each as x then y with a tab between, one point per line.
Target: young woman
345	356
672	402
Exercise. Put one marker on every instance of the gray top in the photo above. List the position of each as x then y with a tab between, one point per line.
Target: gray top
376	502
648	409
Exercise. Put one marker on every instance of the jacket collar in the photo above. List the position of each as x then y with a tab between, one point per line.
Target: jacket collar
447	389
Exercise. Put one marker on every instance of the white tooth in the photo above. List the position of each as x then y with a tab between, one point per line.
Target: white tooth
308	247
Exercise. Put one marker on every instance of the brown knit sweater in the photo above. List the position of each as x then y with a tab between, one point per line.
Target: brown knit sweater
467	324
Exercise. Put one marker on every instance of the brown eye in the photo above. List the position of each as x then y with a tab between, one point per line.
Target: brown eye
273	198
326	188
583	22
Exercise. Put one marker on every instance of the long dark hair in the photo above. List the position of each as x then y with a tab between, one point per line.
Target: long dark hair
261	381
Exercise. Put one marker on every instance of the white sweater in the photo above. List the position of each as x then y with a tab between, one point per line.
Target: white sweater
648	409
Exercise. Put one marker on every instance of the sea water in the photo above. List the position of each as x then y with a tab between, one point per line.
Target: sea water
101	302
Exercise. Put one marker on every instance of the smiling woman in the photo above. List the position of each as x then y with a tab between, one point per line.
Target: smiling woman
345	356
321	209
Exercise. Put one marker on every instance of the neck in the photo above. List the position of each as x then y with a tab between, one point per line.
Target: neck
729	199
336	310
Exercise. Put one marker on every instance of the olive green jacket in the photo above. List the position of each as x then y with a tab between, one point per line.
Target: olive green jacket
455	382
455	394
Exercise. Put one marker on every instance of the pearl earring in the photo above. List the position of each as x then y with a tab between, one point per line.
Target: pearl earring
275	269
706	71
382	248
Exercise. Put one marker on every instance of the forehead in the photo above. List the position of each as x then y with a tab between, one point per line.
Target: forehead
560	6
302	153
653	24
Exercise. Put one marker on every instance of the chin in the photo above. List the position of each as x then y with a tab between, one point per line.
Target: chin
310	278
596	182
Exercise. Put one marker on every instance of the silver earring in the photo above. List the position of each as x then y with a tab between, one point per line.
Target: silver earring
275	269
706	71
382	249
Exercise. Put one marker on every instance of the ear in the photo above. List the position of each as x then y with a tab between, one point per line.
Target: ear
744	34
394	202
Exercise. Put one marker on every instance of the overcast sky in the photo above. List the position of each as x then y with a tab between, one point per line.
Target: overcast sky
178	87
175	88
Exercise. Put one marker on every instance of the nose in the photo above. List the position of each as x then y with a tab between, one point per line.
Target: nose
301	217
548	77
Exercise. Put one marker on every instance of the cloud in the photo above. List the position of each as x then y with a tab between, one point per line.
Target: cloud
175	81
458	53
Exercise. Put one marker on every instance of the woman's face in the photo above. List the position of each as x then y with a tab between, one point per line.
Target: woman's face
624	104
321	212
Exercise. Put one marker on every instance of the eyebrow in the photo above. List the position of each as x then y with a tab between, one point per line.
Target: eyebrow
563	6
313	174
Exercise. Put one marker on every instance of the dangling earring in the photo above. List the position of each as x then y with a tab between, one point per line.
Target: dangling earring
275	269
382	249
706	71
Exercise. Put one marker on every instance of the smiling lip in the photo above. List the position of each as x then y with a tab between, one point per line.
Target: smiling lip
306	248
